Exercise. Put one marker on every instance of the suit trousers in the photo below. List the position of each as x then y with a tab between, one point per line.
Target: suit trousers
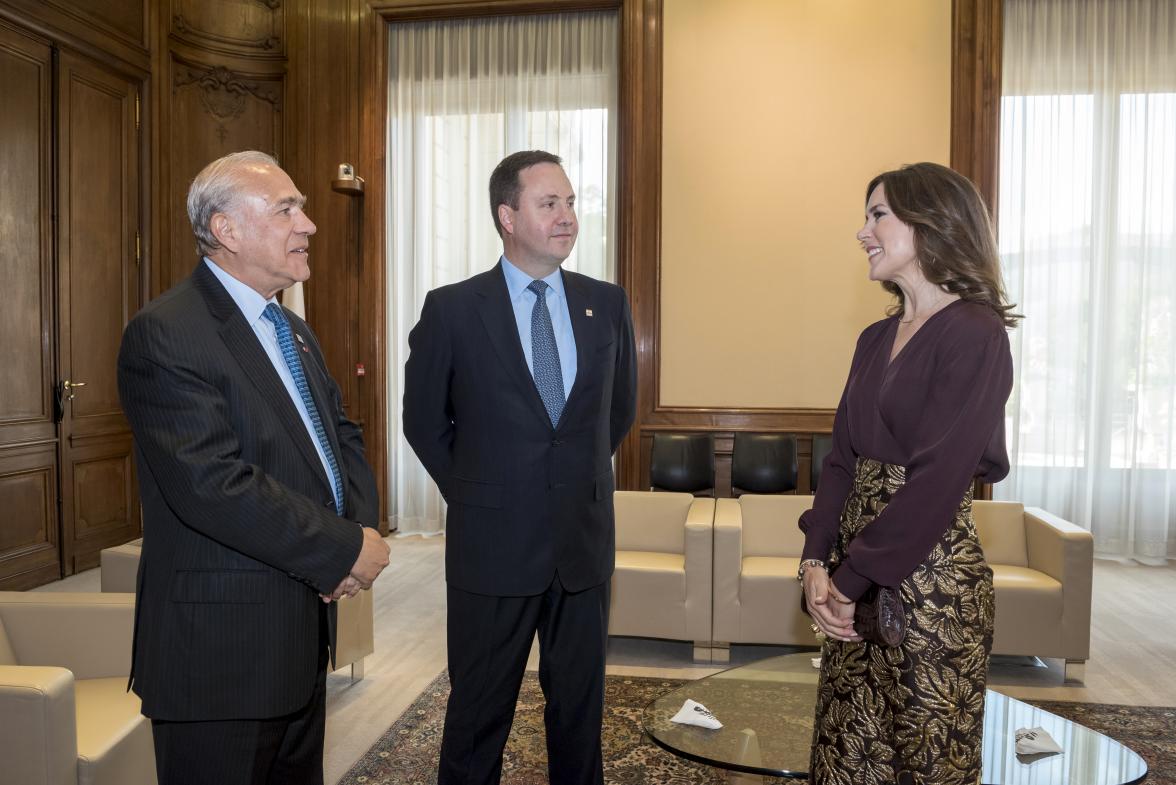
285	750
489	641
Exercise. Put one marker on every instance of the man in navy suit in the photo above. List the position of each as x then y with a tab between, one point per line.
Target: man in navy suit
259	508
519	387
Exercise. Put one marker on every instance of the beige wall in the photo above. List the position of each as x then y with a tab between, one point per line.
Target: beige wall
777	113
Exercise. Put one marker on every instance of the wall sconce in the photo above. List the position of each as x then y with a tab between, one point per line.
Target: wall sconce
347	181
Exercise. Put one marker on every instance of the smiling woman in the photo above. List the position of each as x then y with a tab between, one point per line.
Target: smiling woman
926	240
889	243
921	418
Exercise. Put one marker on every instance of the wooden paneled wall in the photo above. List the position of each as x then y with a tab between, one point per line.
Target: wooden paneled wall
72	210
30	536
113	106
323	124
112	31
220	83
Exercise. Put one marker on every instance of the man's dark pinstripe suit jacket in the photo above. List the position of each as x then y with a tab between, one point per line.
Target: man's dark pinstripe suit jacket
240	534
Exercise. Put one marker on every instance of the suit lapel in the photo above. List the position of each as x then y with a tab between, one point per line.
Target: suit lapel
255	364
579	307
499	320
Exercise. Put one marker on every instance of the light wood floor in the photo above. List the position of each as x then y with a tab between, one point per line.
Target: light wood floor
1133	649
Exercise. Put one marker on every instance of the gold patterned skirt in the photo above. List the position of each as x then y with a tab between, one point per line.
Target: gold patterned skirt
913	714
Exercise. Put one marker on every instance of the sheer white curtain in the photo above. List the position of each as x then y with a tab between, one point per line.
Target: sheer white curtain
1087	225
461	96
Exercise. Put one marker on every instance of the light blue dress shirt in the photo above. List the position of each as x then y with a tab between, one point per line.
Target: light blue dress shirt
251	305
522	300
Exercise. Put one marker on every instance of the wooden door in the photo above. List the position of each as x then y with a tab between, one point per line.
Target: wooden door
29	547
98	288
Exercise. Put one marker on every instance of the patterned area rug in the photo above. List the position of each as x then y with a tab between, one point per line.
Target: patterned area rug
407	753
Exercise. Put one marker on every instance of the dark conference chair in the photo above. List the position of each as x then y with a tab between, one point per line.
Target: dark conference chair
763	463
822	446
683	462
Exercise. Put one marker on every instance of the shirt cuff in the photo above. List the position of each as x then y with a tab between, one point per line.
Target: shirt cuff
850	583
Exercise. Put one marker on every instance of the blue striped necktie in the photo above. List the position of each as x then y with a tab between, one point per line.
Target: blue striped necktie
273	312
545	365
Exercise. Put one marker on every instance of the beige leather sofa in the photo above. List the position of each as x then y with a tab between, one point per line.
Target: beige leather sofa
662	584
65	713
355	638
1042	568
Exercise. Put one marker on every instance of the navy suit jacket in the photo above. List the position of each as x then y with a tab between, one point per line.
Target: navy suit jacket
526	500
240	534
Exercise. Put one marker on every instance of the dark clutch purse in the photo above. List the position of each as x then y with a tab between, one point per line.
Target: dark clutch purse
880	617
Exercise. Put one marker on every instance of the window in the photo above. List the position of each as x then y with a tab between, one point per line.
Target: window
1087	228
463	94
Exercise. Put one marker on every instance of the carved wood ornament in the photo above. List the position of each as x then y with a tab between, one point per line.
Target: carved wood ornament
223	93
269	43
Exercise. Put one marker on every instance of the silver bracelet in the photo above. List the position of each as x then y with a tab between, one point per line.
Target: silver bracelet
805	563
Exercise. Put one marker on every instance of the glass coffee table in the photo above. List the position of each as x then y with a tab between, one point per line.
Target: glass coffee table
767	713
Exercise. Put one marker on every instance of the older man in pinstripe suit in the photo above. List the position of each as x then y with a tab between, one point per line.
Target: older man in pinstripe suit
259	508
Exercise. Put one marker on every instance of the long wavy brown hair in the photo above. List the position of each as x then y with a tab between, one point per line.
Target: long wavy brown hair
954	241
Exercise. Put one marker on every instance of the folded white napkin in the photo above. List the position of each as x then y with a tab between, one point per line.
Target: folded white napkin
1033	741
694	713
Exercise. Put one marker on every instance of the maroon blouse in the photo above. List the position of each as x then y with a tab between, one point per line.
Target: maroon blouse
938	410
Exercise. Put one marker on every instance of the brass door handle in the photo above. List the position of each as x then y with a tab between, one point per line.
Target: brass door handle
69	388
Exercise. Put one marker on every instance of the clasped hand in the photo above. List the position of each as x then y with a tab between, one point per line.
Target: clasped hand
831	610
372	559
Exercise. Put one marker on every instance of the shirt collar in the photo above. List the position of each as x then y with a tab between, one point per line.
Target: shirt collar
517	281
248	300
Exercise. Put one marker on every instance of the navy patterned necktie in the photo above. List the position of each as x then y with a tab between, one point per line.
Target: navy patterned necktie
545	355
273	312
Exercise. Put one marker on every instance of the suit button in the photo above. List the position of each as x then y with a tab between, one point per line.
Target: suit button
556	442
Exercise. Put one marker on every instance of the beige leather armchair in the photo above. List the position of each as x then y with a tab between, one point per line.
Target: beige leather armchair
1042	571
355	634
1042	568
662	584
65	714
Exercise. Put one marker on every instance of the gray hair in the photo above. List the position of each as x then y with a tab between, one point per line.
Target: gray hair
215	190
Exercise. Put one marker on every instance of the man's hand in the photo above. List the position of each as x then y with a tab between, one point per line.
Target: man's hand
373	558
831	610
348	587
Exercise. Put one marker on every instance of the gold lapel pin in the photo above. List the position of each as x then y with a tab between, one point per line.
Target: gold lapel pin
587	311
